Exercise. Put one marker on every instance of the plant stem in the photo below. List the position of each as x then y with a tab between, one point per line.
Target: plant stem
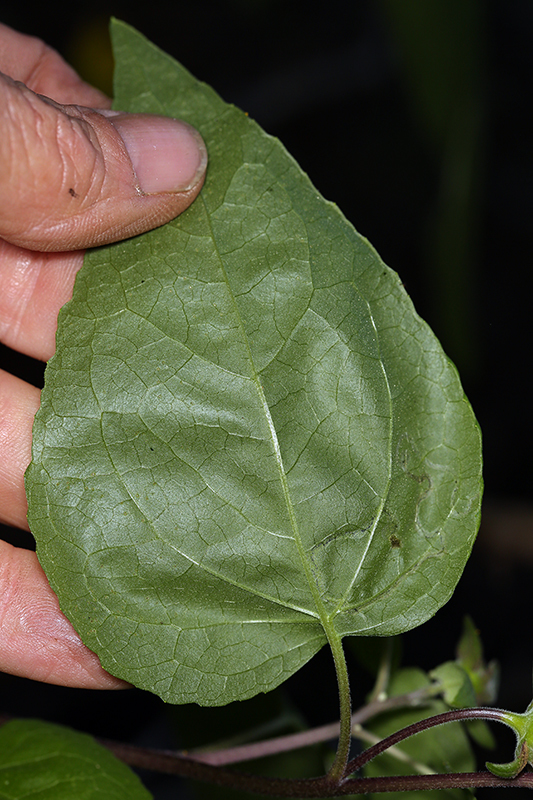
421	783
294	741
312	787
329	785
494	714
175	764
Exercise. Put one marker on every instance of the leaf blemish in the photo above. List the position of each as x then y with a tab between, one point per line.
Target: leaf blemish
394	541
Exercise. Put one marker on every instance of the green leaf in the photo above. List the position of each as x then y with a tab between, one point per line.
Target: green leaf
469	649
459	692
512	768
456	685
484	677
248	441
445	748
49	762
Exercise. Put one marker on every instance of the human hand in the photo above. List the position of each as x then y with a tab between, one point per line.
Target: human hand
71	177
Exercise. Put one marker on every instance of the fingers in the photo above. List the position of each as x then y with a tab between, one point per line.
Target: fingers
33	287
18	405
32	62
75	178
36	639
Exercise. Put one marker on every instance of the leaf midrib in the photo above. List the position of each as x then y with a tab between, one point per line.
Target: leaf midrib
321	611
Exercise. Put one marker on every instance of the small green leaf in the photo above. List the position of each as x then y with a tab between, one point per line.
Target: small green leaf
248	441
456	685
445	748
48	762
469	648
513	768
458	692
469	682
484	677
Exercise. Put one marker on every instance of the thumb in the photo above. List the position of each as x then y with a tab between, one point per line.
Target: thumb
72	177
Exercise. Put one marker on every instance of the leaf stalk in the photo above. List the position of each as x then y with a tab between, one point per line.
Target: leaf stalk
338	768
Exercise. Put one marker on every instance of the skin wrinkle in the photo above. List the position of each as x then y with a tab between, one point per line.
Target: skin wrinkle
6	597
27	323
9	143
96	179
32	77
17	295
24	140
83	146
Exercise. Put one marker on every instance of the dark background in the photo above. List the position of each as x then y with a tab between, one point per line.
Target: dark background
414	116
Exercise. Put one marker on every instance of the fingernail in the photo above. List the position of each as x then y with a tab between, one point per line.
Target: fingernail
168	155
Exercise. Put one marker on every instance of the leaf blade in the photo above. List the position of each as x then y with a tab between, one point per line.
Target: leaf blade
264	438
39	759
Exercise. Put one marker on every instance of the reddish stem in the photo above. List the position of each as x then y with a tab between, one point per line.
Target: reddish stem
494	714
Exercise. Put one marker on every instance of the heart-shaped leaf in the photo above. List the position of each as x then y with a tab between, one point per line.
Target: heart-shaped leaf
248	441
